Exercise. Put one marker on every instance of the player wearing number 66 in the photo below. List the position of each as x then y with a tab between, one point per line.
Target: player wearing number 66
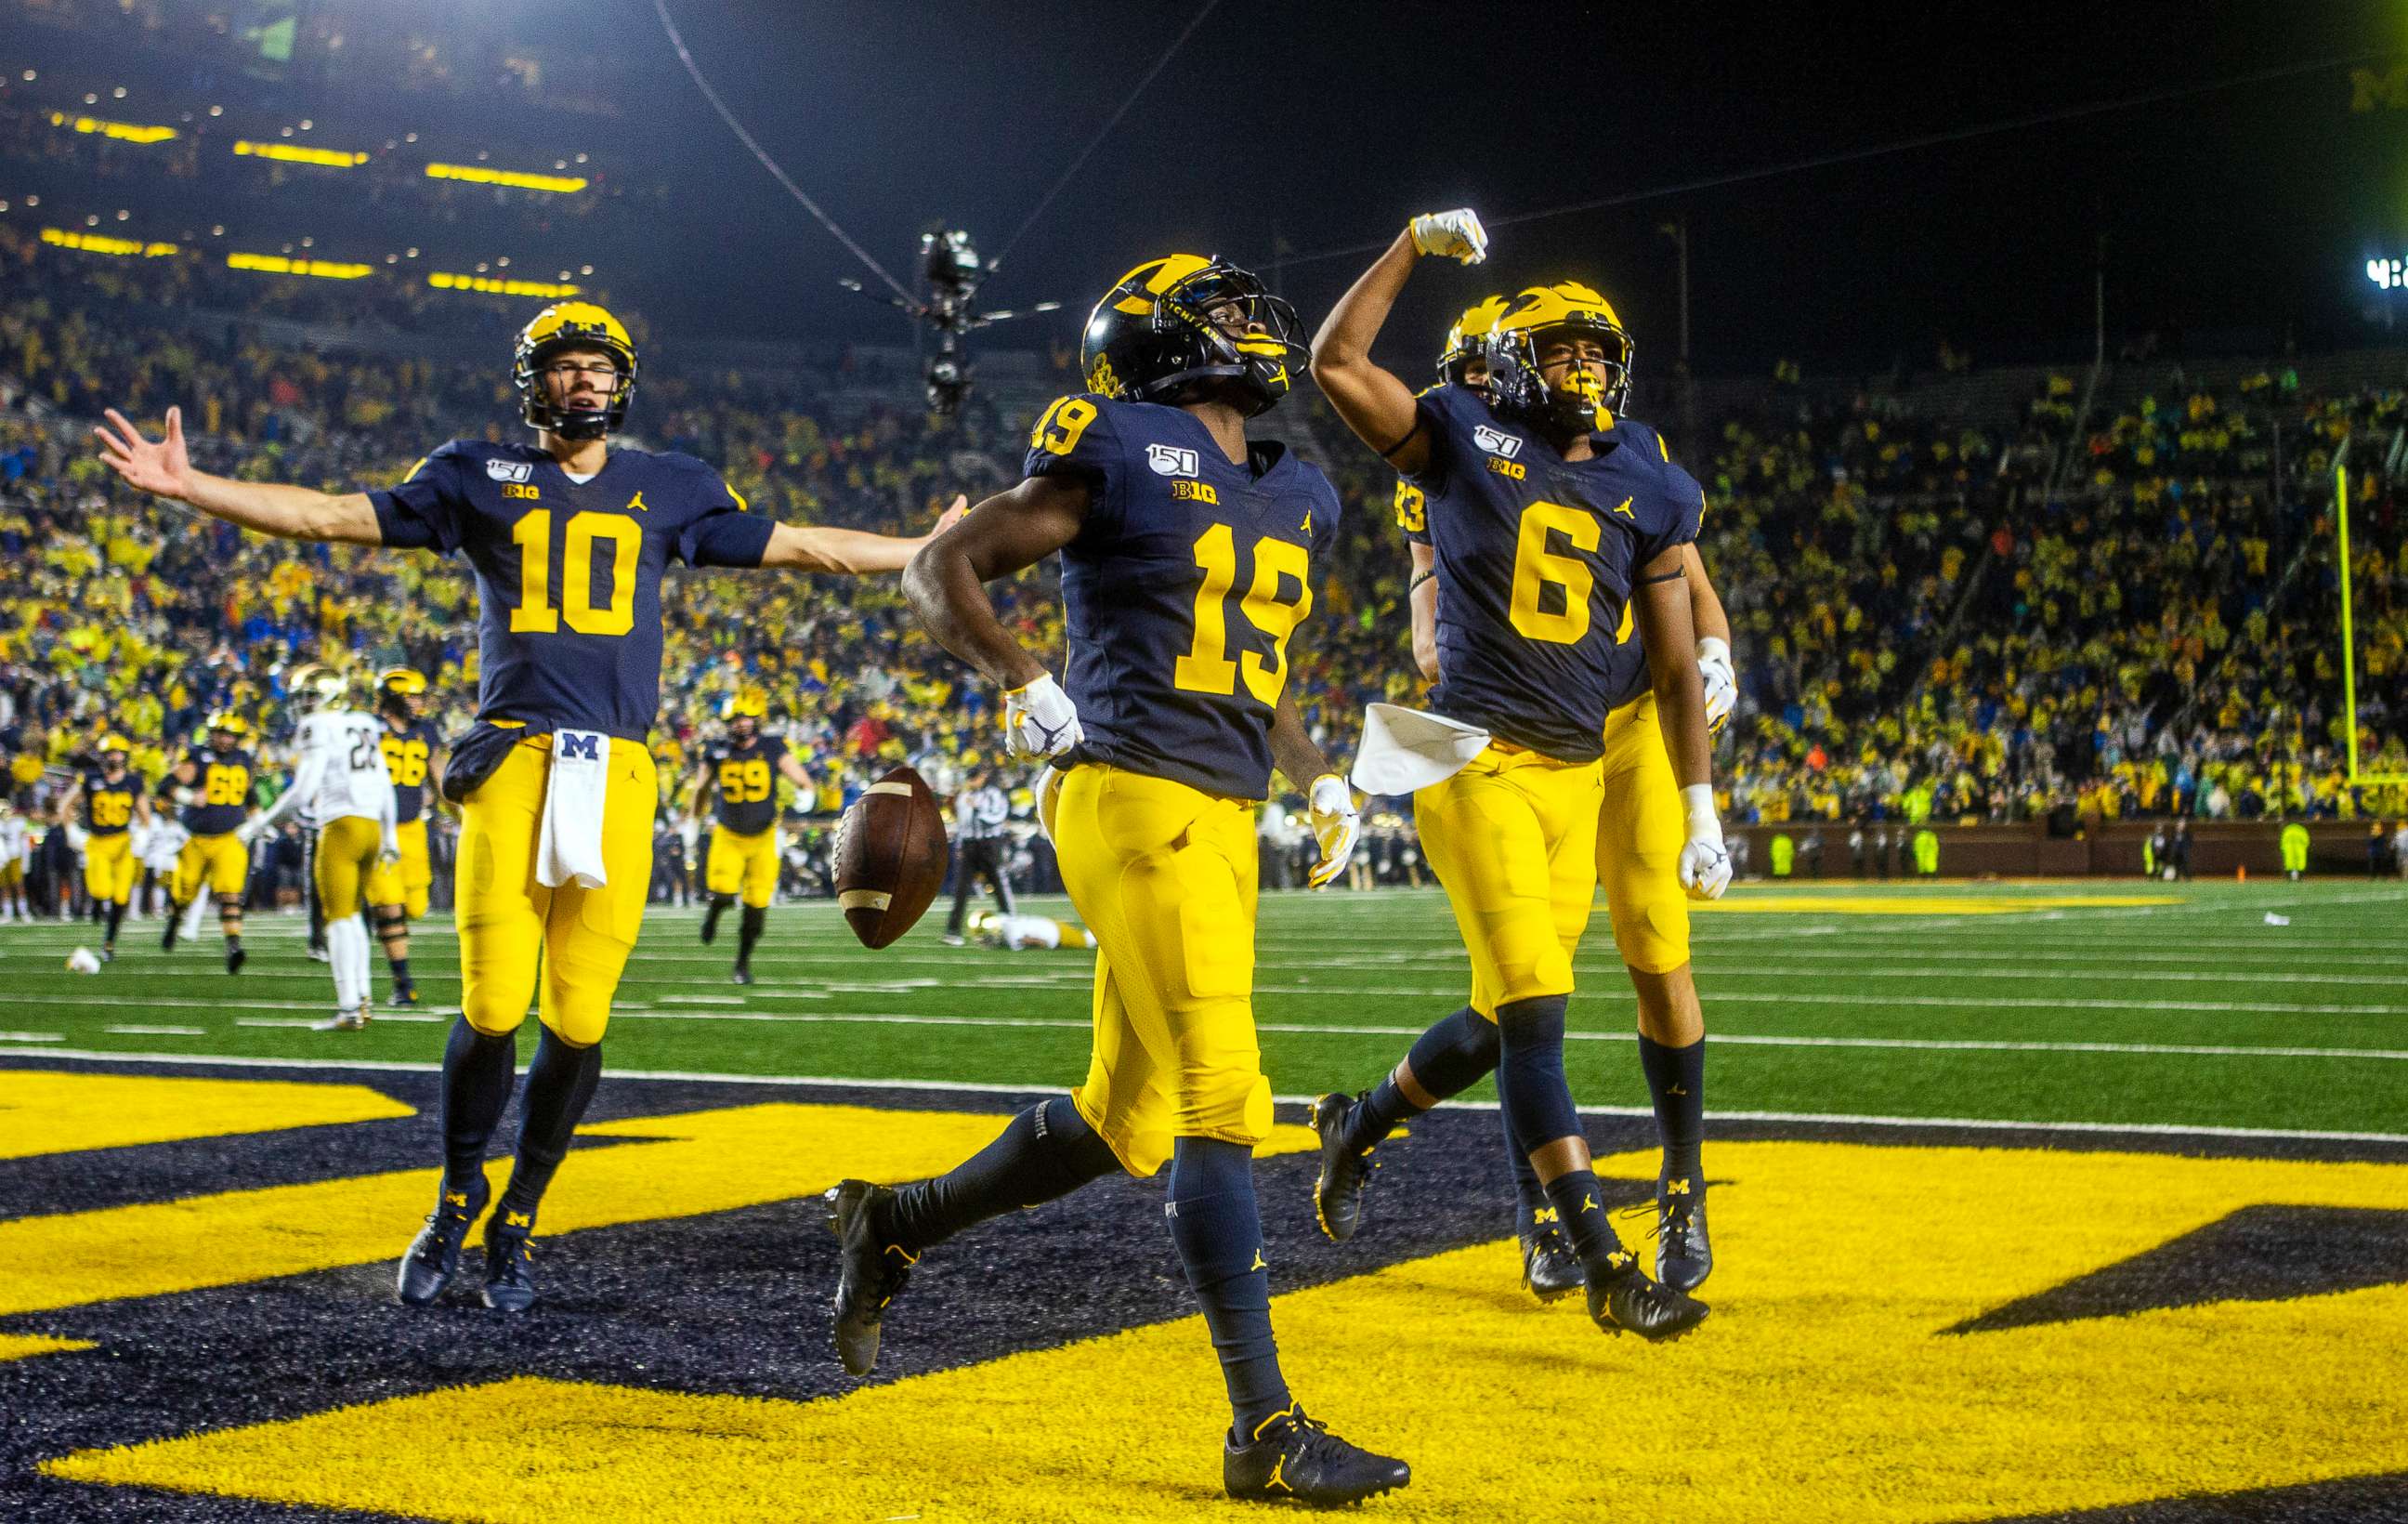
1549	516
1187	562
569	540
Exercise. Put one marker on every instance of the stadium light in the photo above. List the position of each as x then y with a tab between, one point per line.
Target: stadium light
94	243
276	265
124	131
556	184
442	281
294	153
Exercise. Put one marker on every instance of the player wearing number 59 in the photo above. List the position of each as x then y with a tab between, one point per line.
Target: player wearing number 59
1188	555
1548	520
569	540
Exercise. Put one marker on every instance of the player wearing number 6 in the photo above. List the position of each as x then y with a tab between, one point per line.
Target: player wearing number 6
1547	520
1187	558
569	541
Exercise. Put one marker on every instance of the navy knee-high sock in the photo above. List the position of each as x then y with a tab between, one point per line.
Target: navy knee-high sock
1532	1208
476	1074
1219	1235
116	919
748	934
1538	1100
560	1084
1046	1152
1676	1082
1456	1053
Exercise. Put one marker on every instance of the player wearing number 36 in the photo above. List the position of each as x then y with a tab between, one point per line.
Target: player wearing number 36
569	539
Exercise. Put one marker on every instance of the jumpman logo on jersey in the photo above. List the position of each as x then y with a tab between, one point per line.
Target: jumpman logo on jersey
636	503
1307	531
1622	507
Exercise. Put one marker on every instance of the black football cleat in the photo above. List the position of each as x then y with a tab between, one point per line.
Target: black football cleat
710	923
1628	1301
740	975
1338	1189
107	955
1685	1257
434	1255
235	957
873	1269
1550	1270
405	995
167	933
1293	1459
510	1263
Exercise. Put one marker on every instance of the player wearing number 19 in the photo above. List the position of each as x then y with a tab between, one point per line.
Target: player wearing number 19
1186	565
569	541
1547	523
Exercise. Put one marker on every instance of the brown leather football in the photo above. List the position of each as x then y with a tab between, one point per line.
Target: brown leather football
890	857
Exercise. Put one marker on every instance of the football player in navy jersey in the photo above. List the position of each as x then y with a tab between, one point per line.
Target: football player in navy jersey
1550	519
1639	842
739	773
569	540
1188	555
214	784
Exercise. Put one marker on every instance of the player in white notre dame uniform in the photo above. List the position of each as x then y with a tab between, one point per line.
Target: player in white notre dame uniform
341	781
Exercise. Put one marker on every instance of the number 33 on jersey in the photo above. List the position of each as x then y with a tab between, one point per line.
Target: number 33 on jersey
1182	588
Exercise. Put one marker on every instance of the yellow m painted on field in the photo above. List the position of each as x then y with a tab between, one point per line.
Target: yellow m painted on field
1823	1387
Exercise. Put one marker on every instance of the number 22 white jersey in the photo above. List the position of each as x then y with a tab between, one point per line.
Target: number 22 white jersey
349	774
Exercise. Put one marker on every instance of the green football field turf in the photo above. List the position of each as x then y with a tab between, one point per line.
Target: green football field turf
2037	1002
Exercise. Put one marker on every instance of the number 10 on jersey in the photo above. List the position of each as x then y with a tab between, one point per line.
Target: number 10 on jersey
1268	605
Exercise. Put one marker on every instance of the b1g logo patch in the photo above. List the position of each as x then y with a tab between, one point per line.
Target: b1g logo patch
1497	441
509	470
1169	460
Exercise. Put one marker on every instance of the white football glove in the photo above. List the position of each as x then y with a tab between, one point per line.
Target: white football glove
1457	234
389	851
1705	866
1335	823
1722	683
1039	721
248	831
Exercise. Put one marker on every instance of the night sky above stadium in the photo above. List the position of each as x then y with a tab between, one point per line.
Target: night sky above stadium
1310	128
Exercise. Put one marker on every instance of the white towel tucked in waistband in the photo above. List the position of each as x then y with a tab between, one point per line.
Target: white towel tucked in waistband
570	847
1403	749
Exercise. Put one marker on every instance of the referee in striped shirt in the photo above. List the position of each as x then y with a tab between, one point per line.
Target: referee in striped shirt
979	810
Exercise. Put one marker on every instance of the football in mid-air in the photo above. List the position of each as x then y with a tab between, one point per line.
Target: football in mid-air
890	857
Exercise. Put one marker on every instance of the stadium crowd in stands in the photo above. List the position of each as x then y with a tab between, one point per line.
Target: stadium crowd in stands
2114	605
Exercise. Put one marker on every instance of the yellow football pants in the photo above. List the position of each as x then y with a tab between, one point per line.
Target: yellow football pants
346	855
1639	838
1164	875
405	882
220	864
1512	838
512	929
109	867
737	861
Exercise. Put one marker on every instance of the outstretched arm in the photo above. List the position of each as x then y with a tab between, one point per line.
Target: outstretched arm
1377	405
164	468
814	546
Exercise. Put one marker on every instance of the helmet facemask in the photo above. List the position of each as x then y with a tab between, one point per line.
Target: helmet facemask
1584	402
1213	334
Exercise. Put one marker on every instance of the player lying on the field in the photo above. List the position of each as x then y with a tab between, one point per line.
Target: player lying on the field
1186	564
1014	933
741	772
1551	519
1638	861
569	540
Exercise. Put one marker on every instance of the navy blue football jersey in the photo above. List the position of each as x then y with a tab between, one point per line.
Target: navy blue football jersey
1537	558
221	785
109	807
745	778
410	758
568	575
1182	588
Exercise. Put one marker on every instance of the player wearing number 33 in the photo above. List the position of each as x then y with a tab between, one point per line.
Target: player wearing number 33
1187	556
1547	522
568	540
